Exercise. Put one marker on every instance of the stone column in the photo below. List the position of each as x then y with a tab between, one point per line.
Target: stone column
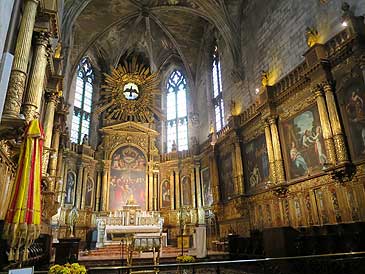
279	165
80	178
104	188
270	153
52	98
326	127
18	74
338	137
53	156
172	190
239	167
33	96
98	188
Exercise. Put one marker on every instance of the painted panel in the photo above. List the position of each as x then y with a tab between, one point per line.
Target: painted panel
256	163
127	178
303	144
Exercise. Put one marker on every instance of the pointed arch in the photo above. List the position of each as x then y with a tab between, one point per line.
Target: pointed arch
176	111
83	101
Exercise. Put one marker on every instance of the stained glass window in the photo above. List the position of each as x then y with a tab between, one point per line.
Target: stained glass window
82	102
217	91
176	112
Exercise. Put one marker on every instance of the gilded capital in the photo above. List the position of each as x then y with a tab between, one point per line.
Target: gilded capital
272	120
52	96
42	38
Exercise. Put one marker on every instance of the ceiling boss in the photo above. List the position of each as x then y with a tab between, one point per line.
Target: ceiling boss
129	94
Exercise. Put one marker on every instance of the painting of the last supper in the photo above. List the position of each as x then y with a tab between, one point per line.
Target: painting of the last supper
127	178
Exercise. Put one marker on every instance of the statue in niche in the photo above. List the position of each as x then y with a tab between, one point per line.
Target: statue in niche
72	218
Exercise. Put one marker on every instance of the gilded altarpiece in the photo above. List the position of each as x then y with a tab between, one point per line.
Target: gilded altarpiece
130	155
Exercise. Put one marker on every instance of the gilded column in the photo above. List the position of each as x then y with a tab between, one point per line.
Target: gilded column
98	188
326	127
79	185
193	186
338	138
239	167
177	189
104	204
172	189
59	181
36	79
155	191
279	165
18	74
52	98
270	152
199	195
64	185
52	167
214	175
83	190
150	189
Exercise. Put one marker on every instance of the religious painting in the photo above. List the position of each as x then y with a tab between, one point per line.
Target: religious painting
89	192
165	194
127	178
321	206
353	110
207	187
226	175
256	163
186	191
70	188
303	144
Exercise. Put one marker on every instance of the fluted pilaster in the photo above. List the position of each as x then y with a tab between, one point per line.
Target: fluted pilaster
338	137
18	74
279	164
326	127
34	93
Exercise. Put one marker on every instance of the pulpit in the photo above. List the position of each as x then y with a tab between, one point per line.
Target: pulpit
67	250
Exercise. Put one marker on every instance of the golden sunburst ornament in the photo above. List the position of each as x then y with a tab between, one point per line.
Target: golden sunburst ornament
129	94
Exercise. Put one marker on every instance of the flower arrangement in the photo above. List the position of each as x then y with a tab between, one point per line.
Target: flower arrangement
185	259
74	268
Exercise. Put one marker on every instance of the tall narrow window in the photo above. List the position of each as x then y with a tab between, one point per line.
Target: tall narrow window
217	91
82	103
177	120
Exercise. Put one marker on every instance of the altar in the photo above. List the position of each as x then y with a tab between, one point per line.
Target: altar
131	221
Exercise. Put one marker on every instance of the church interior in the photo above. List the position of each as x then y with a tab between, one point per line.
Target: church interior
182	136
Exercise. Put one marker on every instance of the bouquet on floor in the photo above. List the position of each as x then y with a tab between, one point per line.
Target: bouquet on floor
185	259
67	269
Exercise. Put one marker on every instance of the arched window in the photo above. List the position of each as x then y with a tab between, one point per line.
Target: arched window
217	91
82	103
177	120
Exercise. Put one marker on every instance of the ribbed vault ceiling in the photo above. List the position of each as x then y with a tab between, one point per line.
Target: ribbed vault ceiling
160	28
